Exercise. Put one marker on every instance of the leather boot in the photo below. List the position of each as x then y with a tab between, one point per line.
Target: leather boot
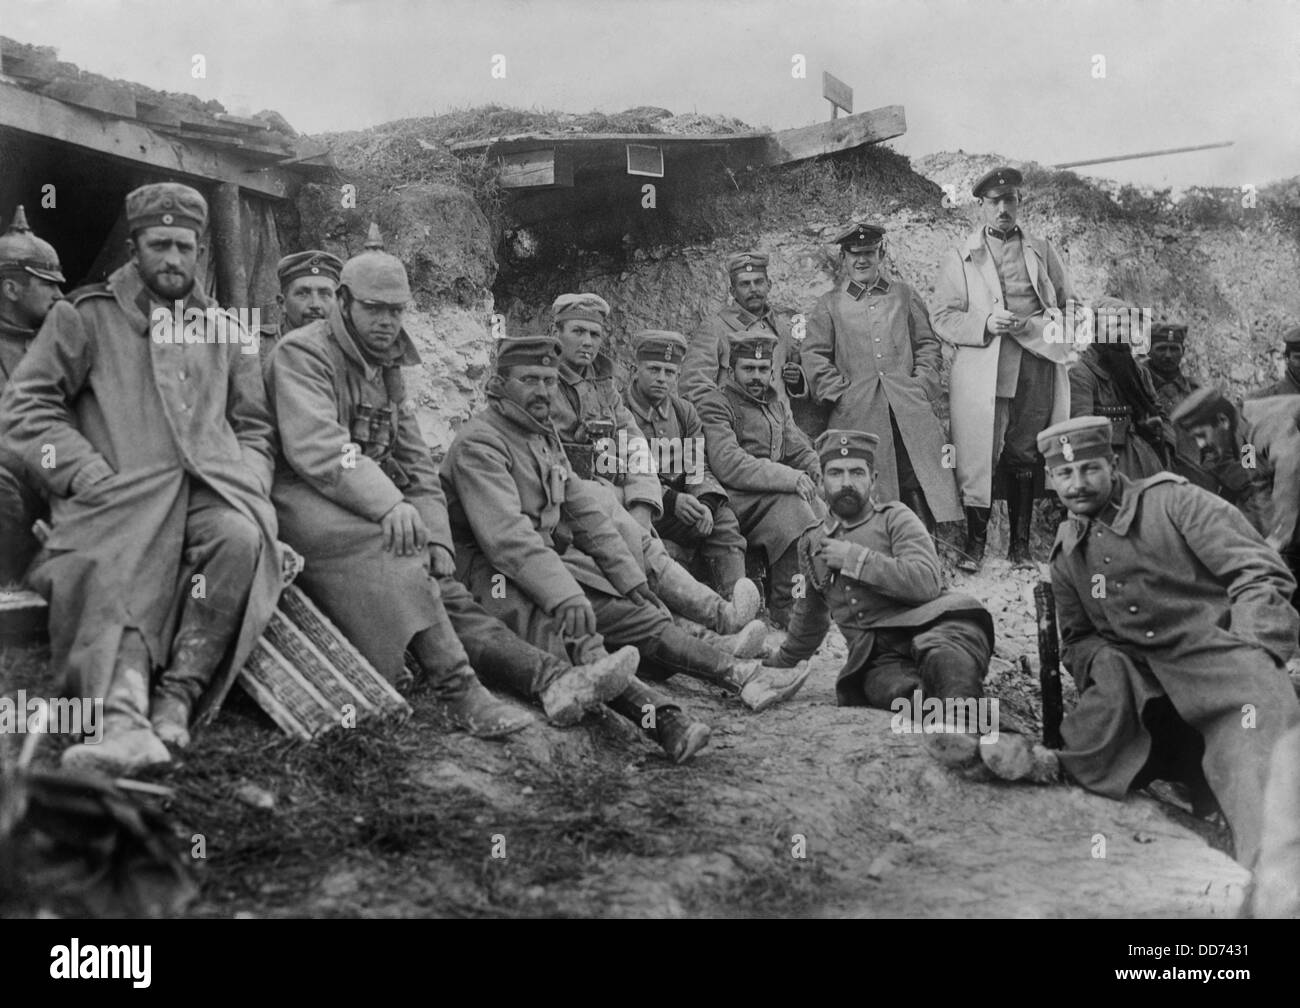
977	537
781	575
195	657
1020	516
915	499
584	687
759	686
727	570
1013	757
750	642
685	596
669	726
128	743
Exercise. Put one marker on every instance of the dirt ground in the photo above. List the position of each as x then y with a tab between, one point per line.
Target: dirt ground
806	810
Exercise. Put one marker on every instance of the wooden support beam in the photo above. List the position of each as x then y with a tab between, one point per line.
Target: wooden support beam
1144	154
228	246
132	141
813	141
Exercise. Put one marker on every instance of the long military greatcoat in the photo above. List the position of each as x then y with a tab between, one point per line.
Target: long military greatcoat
966	294
871	350
1180	582
892	581
517	509
96	387
331	491
1271	427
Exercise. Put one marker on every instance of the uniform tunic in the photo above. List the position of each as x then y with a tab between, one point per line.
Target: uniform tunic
1169	393
333	485
968	291
22	497
707	364
892	582
592	394
1176	596
1093	393
676	422
529	534
757	453
96	389
871	353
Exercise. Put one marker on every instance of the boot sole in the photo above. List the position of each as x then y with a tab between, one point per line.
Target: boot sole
751	641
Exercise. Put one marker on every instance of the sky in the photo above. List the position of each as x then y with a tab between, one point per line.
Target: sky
1043	80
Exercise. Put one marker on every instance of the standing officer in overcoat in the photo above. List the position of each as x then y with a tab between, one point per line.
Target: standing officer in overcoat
1001	300
872	357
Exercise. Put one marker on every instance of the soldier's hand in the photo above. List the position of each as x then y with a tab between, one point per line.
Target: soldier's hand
643	513
642	593
705	525
806	488
689	510
1002	322
577	618
405	533
441	561
835	553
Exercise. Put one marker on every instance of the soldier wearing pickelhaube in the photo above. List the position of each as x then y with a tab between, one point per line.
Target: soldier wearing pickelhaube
30	275
358	495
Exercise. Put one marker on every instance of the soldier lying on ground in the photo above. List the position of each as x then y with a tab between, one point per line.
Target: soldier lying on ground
358	496
1175	624
537	549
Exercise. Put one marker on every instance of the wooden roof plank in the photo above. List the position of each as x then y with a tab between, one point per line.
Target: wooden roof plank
842	134
133	141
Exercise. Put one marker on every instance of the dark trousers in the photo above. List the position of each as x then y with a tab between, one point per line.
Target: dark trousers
947	658
1027	413
21	504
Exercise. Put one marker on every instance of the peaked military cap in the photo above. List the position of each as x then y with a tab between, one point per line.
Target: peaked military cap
1203	406
1169	332
747	262
1291	337
22	251
313	262
587	307
998	181
659	345
755	346
860	237
1085	437
845	444
527	351
166	204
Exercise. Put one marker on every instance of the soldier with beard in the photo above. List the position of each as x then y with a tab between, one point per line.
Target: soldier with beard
1289	383
30	275
308	281
873	569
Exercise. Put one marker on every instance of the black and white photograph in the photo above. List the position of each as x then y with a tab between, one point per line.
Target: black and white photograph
699	459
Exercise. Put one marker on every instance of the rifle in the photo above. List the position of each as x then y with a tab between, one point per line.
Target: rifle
1049	665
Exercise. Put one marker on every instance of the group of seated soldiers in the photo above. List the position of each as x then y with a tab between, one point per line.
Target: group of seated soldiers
582	542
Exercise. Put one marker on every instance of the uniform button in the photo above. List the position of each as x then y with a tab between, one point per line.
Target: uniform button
1151	633
1106	559
880	372
1132	608
879	355
877	339
181	374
